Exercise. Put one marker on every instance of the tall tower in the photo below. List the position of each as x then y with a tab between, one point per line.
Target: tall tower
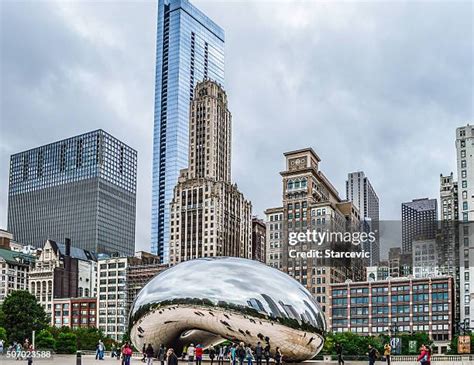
418	221
190	48
83	188
209	216
310	203
465	167
360	192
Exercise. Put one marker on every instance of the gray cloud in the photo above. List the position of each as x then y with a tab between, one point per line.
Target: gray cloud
376	86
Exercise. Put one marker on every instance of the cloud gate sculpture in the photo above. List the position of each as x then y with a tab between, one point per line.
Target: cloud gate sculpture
210	299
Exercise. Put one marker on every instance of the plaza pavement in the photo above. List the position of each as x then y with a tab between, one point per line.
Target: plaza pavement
90	360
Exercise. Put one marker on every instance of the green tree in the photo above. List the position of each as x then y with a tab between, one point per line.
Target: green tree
45	340
21	315
3	334
87	338
66	343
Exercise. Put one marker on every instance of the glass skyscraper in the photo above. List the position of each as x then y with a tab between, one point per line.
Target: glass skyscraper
82	188
190	48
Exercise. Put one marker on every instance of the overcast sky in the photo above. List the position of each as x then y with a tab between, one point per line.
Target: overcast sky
372	86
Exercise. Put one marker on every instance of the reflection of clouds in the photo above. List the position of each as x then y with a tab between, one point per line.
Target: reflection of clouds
235	281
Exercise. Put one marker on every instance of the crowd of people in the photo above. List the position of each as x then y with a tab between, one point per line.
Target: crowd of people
424	358
232	354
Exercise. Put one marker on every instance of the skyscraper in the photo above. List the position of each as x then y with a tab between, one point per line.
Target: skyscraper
448	194
310	203
83	188
190	48
360	192
209	216
465	167
418	221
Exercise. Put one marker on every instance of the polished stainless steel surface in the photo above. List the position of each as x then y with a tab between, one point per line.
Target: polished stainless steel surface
209	299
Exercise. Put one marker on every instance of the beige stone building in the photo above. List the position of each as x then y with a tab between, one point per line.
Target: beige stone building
274	241
209	215
310	203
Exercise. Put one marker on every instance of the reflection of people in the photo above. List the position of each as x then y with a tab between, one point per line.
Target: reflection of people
387	352
340	360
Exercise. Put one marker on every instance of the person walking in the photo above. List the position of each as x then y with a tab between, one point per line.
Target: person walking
220	355
266	354
29	357
233	354
144	352
127	354
183	353
212	354
18	350
1	347
171	357
425	355
150	353
340	359
278	356
191	352
162	354
258	353
101	349
372	354
199	352
249	355
387	352
240	352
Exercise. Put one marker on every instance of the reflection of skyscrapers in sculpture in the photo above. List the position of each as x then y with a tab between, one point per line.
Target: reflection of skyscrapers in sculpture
465	169
244	301
360	192
189	48
209	216
419	219
310	202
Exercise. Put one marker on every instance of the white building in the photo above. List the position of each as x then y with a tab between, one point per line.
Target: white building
112	296
465	169
62	271
14	267
425	258
360	192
